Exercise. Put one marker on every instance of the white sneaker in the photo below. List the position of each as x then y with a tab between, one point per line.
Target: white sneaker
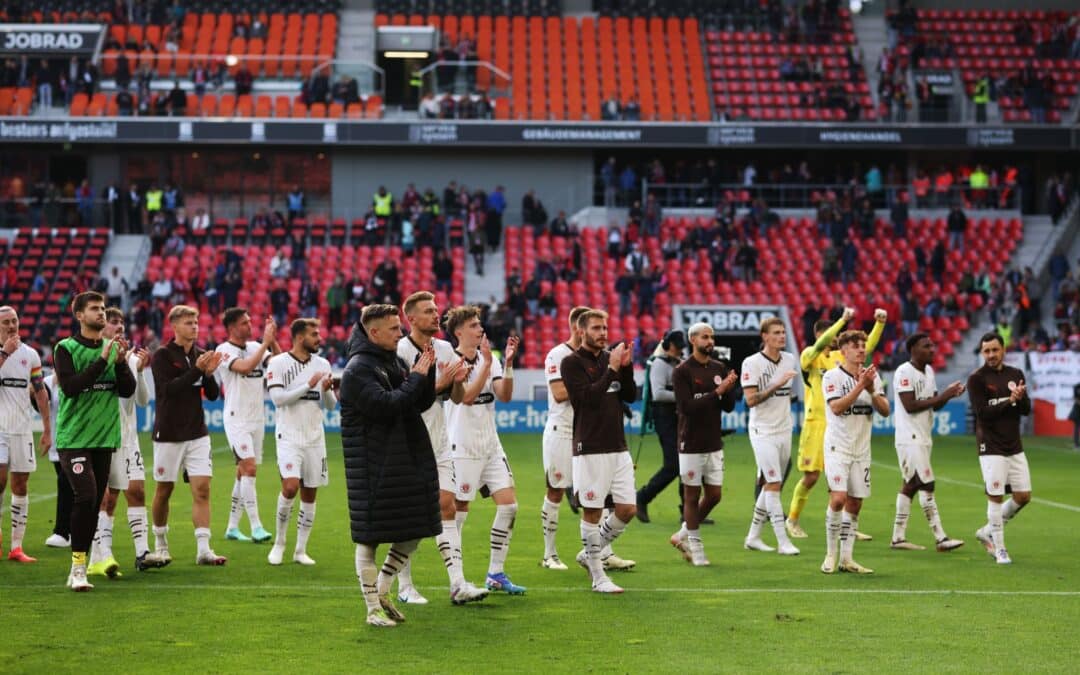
862	536
756	544
302	558
617	564
163	555
553	563
905	545
211	559
948	544
829	566
275	555
467	592
678	540
393	612
788	548
582	558
794	530
77	579
606	585
697	553
984	538
410	596
1002	557
854	567
56	541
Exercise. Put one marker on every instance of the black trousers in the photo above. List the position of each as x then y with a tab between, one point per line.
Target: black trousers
88	473
64	497
667	428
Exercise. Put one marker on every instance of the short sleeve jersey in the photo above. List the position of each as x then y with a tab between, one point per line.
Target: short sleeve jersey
914	428
471	427
773	415
15	374
848	432
300	423
243	393
560	413
409	352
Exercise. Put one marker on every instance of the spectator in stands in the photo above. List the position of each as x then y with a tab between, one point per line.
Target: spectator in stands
957	223
559	226
980	96
429	107
496	205
125	104
384	283
610	110
279	302
910	313
937	261
336	297
318	87
447	107
200	77
177	100
243	80
631	112
200	222
162	290
174	245
444	271
652	215
533	212
44	79
849	255
308	297
280	267
898	216
628	184
296	203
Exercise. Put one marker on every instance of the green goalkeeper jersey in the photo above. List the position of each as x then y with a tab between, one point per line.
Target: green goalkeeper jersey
89	412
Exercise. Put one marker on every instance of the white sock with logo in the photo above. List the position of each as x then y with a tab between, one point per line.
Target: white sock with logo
549	517
281	525
236	508
136	517
903	512
20	513
930	510
250	502
305	520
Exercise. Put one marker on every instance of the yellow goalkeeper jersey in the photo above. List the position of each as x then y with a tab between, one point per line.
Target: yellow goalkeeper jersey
815	360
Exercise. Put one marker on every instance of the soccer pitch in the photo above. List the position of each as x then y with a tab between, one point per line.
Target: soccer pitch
749	611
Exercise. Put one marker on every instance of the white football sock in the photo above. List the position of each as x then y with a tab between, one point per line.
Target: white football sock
449	543
501	530
368	576
104	535
549	516
832	532
251	503
593	541
396	558
161	538
610	529
236	508
136	517
997	525
776	516
848	525
404	577
1009	509
20	511
459	518
903	511
304	522
202	540
281	525
761	513
930	510
693	535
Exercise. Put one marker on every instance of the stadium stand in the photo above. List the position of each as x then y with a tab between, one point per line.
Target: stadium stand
789	271
660	67
1026	53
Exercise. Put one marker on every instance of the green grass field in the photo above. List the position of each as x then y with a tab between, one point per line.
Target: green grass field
749	611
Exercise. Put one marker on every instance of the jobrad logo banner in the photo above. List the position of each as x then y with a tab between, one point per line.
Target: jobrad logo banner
529	417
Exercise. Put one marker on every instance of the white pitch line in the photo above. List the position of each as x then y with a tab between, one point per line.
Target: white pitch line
42	498
980	486
585	589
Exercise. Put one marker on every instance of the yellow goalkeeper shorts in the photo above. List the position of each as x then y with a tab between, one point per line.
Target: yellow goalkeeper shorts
812	446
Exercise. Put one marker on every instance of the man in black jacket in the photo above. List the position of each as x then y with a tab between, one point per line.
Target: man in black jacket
390	469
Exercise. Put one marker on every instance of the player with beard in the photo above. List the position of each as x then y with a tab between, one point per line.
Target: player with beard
599	382
423	315
301	386
20	373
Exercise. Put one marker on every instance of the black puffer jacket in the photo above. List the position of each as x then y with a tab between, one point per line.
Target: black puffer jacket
390	472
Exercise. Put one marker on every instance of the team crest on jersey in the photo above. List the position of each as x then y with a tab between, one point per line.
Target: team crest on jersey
23	362
717	380
77	468
553	369
838	479
558	475
161	471
690	474
465	488
905	382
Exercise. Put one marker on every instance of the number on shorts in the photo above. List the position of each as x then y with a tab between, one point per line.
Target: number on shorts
507	465
325	471
866	475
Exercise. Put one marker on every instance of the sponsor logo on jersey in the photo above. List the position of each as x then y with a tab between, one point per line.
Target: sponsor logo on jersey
553	368
16	382
484	398
312	395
